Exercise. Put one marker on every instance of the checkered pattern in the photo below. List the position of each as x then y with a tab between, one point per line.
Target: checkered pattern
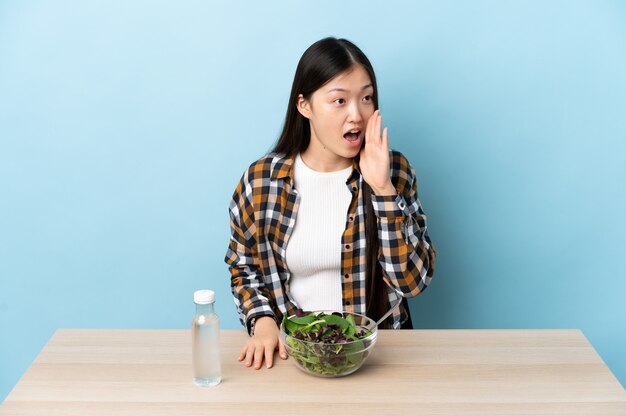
263	214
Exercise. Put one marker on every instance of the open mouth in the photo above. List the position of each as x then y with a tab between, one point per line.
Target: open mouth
352	135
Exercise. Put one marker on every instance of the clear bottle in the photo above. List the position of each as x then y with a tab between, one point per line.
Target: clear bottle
205	332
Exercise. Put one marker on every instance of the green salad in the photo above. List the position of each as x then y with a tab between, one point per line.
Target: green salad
334	344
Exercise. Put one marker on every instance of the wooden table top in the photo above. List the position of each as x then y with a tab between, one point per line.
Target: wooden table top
443	372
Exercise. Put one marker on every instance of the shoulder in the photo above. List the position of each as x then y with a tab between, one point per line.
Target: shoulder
402	173
264	169
263	166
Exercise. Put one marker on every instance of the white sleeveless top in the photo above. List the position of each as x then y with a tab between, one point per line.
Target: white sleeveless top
313	253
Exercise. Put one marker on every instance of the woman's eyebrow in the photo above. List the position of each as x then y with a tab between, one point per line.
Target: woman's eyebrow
344	90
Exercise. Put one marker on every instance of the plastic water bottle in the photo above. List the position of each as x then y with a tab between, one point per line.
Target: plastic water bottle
205	332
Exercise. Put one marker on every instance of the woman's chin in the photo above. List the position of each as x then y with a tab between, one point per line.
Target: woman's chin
351	153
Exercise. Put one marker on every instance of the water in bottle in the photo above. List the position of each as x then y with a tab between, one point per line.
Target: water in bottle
205	332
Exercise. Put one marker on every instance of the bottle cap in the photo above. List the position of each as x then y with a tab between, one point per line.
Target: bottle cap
203	297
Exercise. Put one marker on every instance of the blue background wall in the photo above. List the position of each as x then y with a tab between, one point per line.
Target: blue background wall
125	127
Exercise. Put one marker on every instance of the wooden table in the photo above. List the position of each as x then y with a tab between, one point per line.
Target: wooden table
413	372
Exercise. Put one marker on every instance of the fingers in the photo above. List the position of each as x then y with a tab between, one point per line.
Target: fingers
374	125
249	355
386	138
269	355
258	357
282	350
369	128
242	354
253	353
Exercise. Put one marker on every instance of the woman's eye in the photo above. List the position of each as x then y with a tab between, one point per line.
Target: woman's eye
339	99
369	98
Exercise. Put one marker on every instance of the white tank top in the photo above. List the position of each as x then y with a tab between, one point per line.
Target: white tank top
313	253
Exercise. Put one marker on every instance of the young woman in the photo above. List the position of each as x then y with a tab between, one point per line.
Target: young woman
330	219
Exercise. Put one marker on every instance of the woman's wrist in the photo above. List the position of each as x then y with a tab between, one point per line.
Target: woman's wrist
262	323
387	189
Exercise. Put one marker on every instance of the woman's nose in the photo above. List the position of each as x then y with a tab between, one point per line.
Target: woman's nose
355	114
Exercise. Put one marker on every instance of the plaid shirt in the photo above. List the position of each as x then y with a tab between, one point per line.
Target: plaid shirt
262	216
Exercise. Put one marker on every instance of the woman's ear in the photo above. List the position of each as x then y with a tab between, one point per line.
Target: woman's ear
303	106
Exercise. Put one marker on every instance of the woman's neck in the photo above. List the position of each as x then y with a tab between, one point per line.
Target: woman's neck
323	160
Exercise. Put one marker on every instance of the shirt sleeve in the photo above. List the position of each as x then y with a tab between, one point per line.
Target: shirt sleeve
242	257
406	252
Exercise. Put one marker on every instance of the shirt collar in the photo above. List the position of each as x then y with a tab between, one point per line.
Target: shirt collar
283	168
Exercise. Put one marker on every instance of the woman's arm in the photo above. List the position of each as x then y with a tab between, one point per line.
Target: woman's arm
247	282
406	252
242	256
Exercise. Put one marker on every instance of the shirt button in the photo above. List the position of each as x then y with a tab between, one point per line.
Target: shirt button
347	302
354	188
351	218
346	276
347	245
401	205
